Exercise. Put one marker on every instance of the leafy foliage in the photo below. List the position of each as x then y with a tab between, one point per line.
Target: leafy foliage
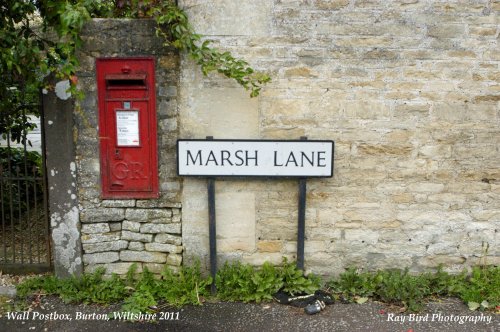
40	37
480	288
141	292
17	163
173	25
20	56
90	288
353	284
243	282
186	287
295	282
399	287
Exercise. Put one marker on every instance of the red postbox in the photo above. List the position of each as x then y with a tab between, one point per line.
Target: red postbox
127	127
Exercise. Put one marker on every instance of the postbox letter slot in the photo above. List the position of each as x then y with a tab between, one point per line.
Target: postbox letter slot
115	82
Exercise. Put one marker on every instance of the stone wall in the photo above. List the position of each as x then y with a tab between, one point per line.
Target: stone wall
117	233
409	91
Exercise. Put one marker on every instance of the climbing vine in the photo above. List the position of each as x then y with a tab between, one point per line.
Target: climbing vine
41	37
174	27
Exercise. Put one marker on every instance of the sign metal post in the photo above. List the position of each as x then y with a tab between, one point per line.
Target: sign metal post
212	234
301	226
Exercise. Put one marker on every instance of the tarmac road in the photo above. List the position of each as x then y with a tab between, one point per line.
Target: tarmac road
442	316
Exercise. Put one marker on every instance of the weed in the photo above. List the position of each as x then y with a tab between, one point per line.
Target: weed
354	284
140	301
90	288
243	282
401	288
141	292
480	289
295	282
186	287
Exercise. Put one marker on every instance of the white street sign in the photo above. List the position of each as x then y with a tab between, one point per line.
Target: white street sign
255	158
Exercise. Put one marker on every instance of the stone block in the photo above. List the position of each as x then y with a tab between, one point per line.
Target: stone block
95	228
269	246
155	267
446	31
236	220
118	203
137	246
163	247
145	215
115	226
331	4
131	226
102	215
142	256
95	238
104	246
140	237
426	187
102	257
120	268
174	259
151	204
161	228
168	238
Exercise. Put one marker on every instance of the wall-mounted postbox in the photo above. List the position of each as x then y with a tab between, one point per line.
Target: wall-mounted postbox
127	127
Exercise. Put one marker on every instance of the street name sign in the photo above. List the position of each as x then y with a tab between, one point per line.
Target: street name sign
255	158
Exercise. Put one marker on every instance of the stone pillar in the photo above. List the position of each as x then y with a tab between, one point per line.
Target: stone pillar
61	182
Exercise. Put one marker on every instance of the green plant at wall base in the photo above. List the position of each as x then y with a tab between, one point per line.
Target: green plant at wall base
90	288
185	287
401	288
353	284
295	282
243	282
142	292
479	289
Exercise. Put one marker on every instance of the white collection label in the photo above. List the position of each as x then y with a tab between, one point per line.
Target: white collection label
127	128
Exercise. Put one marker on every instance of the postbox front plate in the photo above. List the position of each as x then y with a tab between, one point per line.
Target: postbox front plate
127	128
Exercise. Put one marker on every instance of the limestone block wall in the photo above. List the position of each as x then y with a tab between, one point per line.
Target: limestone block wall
118	233
409	91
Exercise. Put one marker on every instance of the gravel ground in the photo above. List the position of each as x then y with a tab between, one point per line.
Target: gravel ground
51	314
9	280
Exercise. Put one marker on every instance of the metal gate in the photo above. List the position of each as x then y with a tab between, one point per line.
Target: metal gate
24	228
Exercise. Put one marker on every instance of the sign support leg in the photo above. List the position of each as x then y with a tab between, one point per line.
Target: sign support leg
212	232
301	220
302	224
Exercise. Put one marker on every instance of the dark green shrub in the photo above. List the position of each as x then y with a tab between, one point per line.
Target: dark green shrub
21	181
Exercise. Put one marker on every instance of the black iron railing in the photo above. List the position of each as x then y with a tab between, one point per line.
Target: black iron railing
24	227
